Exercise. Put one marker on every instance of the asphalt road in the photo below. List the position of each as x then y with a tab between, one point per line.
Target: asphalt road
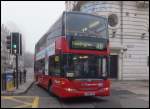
118	99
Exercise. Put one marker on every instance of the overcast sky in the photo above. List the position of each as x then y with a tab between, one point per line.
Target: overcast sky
32	18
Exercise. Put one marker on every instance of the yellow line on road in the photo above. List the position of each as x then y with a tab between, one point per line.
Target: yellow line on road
22	106
35	103
18	96
20	101
6	97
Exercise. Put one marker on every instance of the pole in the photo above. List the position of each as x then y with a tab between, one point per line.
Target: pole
16	70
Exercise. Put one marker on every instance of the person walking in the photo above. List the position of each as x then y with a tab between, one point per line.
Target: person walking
24	73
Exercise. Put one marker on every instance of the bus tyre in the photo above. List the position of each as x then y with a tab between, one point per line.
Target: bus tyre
49	89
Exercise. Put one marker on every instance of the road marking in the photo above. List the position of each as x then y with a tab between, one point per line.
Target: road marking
22	106
20	101
33	104
6	97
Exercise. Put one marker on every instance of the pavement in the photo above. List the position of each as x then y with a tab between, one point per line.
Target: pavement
136	87
124	94
23	88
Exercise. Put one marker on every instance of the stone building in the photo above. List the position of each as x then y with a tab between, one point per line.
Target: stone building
128	23
6	58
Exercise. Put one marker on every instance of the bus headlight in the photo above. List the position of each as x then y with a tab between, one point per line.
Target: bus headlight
106	89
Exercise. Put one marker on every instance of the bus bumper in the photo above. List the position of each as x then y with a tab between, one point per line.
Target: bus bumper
68	92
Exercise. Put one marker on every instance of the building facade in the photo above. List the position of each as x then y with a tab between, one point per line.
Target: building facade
6	58
128	23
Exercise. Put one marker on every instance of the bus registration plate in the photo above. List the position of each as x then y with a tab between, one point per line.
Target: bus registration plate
89	94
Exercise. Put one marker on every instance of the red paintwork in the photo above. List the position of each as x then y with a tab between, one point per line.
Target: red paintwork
62	46
59	88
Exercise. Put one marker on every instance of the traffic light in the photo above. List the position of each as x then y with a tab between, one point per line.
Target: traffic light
16	43
8	43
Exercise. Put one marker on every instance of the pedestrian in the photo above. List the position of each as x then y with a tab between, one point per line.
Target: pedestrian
24	73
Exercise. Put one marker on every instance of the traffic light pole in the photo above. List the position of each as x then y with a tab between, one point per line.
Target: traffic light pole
16	70
14	43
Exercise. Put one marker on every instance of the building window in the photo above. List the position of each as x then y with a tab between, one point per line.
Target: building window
113	20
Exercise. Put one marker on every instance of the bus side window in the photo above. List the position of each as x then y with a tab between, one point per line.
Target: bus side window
39	66
55	65
51	65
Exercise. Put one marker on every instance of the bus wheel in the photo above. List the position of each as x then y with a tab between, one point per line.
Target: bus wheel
49	89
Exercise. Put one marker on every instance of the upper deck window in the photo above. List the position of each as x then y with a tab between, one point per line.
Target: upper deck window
78	24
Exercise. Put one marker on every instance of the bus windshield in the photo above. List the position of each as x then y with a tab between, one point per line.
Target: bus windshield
84	66
85	25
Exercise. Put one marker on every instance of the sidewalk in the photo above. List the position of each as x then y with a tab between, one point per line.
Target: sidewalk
139	88
23	88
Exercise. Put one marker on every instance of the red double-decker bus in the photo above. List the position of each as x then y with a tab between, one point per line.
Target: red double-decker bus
71	59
